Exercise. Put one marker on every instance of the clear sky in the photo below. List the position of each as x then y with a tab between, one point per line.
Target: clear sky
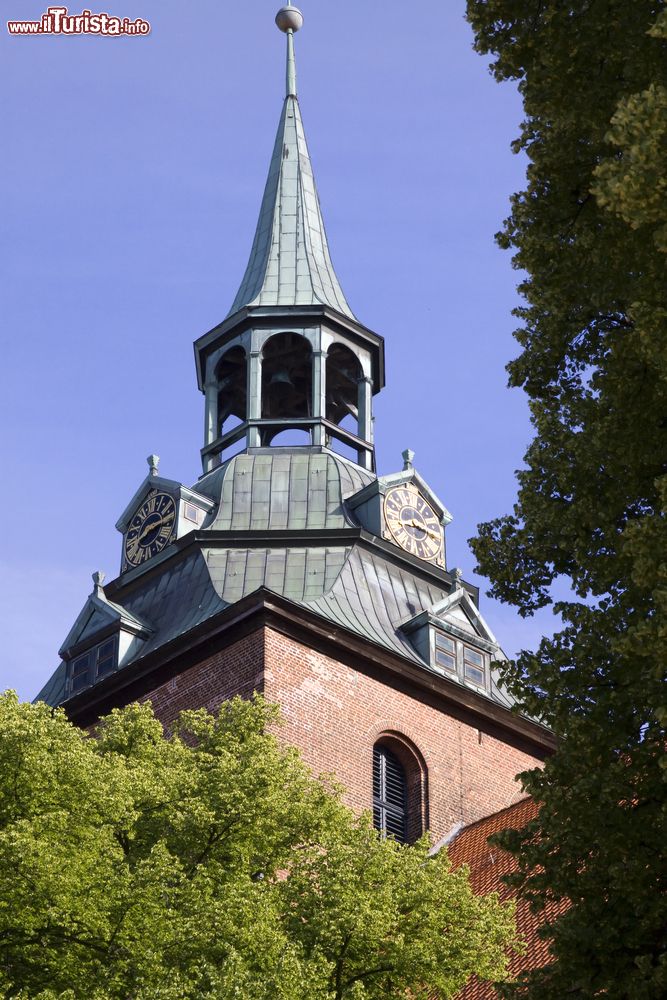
132	175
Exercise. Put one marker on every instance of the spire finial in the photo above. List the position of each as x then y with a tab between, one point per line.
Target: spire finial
289	19
153	462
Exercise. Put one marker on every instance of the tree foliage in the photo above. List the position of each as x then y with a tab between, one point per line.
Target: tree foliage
590	234
211	864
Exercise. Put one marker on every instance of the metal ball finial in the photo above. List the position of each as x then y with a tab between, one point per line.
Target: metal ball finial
289	18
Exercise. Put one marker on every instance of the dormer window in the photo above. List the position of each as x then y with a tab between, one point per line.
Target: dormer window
93	665
454	640
457	658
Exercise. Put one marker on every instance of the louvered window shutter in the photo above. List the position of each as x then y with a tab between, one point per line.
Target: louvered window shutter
389	794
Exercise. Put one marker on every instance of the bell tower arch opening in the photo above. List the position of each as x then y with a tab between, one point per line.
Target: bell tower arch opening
231	382
343	377
287	385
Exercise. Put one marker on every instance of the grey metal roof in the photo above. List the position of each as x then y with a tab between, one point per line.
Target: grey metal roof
372	597
353	585
283	489
290	263
53	692
301	574
175	601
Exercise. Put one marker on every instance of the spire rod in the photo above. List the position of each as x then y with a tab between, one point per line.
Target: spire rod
289	19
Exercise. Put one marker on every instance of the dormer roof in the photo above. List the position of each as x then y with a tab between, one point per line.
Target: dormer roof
97	614
457	610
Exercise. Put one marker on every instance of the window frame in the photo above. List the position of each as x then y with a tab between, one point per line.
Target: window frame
111	657
469	662
76	673
446	646
104	652
440	637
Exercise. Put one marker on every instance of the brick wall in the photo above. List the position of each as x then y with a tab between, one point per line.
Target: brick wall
238	669
334	714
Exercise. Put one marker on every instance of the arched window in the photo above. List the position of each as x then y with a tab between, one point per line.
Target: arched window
400	788
390	789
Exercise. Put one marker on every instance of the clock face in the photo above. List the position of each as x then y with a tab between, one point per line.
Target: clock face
151	528
413	523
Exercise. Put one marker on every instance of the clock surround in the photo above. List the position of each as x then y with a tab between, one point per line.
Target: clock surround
412	522
151	528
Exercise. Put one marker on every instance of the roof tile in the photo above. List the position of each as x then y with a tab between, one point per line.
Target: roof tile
488	864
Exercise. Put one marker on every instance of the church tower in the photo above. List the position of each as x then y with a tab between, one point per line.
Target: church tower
292	568
290	355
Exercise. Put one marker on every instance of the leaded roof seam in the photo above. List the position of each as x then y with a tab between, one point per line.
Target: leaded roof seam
372	611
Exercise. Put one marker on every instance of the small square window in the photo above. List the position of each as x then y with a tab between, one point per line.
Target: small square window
442	642
445	660
191	512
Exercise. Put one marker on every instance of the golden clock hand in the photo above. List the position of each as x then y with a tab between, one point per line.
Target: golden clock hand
150	527
422	527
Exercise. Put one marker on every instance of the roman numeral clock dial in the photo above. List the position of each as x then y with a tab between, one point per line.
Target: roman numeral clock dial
151	528
413	523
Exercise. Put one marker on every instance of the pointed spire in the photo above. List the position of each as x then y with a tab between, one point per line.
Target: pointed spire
290	263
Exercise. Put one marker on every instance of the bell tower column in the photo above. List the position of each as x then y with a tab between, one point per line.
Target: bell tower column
365	406
254	397
319	396
210	422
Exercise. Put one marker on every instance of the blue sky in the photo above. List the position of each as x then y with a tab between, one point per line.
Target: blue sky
132	175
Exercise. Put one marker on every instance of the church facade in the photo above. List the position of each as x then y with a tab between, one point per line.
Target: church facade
292	568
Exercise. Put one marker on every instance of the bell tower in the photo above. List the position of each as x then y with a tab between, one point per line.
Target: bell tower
290	355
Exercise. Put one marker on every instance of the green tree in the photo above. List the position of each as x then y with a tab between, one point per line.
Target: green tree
589	233
211	864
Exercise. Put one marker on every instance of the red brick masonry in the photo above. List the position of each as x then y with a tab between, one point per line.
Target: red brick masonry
238	669
334	714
